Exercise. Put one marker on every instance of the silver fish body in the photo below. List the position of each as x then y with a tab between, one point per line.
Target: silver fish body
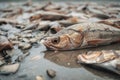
82	35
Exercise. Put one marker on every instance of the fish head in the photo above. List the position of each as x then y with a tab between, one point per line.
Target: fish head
68	41
92	57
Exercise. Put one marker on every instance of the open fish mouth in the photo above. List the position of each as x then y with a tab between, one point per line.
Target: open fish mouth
48	44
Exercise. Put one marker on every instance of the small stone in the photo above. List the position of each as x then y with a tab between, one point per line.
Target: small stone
27	35
39	78
68	64
28	31
15	42
25	40
2	62
51	73
8	69
33	40
25	46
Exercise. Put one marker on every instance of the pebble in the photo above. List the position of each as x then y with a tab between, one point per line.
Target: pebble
33	40
68	64
24	46
15	42
1	62
27	36
25	40
51	73
27	31
39	77
8	69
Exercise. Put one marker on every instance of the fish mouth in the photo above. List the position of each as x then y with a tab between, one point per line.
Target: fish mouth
48	45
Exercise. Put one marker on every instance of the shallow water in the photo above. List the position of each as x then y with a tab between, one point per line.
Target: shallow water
63	62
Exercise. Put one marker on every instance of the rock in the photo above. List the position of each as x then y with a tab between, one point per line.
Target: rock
8	69
15	42
39	78
28	35
24	45
2	62
5	43
33	40
51	73
25	40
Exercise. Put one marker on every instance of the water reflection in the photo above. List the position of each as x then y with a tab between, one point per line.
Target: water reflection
102	73
63	58
68	59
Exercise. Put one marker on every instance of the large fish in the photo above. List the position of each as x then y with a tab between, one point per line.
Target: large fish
82	35
107	59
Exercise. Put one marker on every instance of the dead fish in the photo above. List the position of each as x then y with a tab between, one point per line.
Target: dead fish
107	59
112	22
52	16
6	10
12	14
5	21
31	27
55	27
50	27
82	35
101	16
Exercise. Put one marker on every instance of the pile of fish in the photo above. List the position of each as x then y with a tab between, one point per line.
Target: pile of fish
60	26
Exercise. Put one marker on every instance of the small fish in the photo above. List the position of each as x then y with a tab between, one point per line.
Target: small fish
52	16
31	27
8	21
107	59
82	35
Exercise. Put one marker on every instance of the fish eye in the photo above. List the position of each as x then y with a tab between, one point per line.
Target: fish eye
56	40
53	31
